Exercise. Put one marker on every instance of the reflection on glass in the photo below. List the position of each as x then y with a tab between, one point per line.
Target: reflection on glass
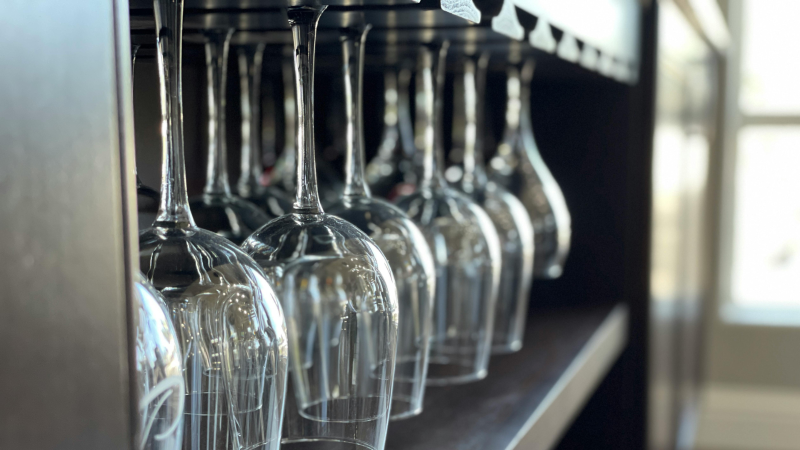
217	209
394	170
338	293
230	327
271	199
464	243
519	167
399	239
159	373
508	214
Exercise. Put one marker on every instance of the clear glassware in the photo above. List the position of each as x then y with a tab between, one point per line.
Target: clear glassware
271	199
508	214
230	326
519	167
464	243
284	174
399	239
147	198
394	170
338	293
217	209
160	388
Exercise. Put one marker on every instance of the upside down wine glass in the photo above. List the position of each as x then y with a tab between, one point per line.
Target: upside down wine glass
508	214
231	329
399	239
338	293
217	209
392	170
519	167
464	243
271	199
158	365
160	387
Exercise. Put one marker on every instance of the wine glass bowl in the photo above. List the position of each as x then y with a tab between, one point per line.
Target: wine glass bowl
515	231
159	372
337	291
231	332
270	199
464	246
231	217
411	262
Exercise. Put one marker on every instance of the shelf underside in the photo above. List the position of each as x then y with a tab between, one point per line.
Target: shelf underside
601	36
529	398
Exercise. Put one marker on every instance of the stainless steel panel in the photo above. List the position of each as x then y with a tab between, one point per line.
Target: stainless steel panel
63	275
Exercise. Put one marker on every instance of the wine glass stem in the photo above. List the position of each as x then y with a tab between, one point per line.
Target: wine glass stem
404	123
430	83
250	62
303	20
525	77
174	206
217	45
513	101
353	59
390	129
134	49
474	91
290	122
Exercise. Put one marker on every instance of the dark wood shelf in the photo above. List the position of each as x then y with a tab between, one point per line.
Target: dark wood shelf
529	398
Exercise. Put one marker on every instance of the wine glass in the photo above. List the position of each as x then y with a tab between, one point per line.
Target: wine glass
508	214
230	326
160	387
147	198
338	293
399	239
519	167
464	243
271	199
393	171
216	209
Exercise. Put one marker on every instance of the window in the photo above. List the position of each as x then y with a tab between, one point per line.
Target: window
761	249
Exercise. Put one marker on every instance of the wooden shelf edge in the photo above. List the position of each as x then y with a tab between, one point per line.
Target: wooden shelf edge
530	397
571	392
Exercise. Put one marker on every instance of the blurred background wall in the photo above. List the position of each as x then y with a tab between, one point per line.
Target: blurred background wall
725	276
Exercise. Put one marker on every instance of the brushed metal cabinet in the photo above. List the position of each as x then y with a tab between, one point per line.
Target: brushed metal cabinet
65	239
